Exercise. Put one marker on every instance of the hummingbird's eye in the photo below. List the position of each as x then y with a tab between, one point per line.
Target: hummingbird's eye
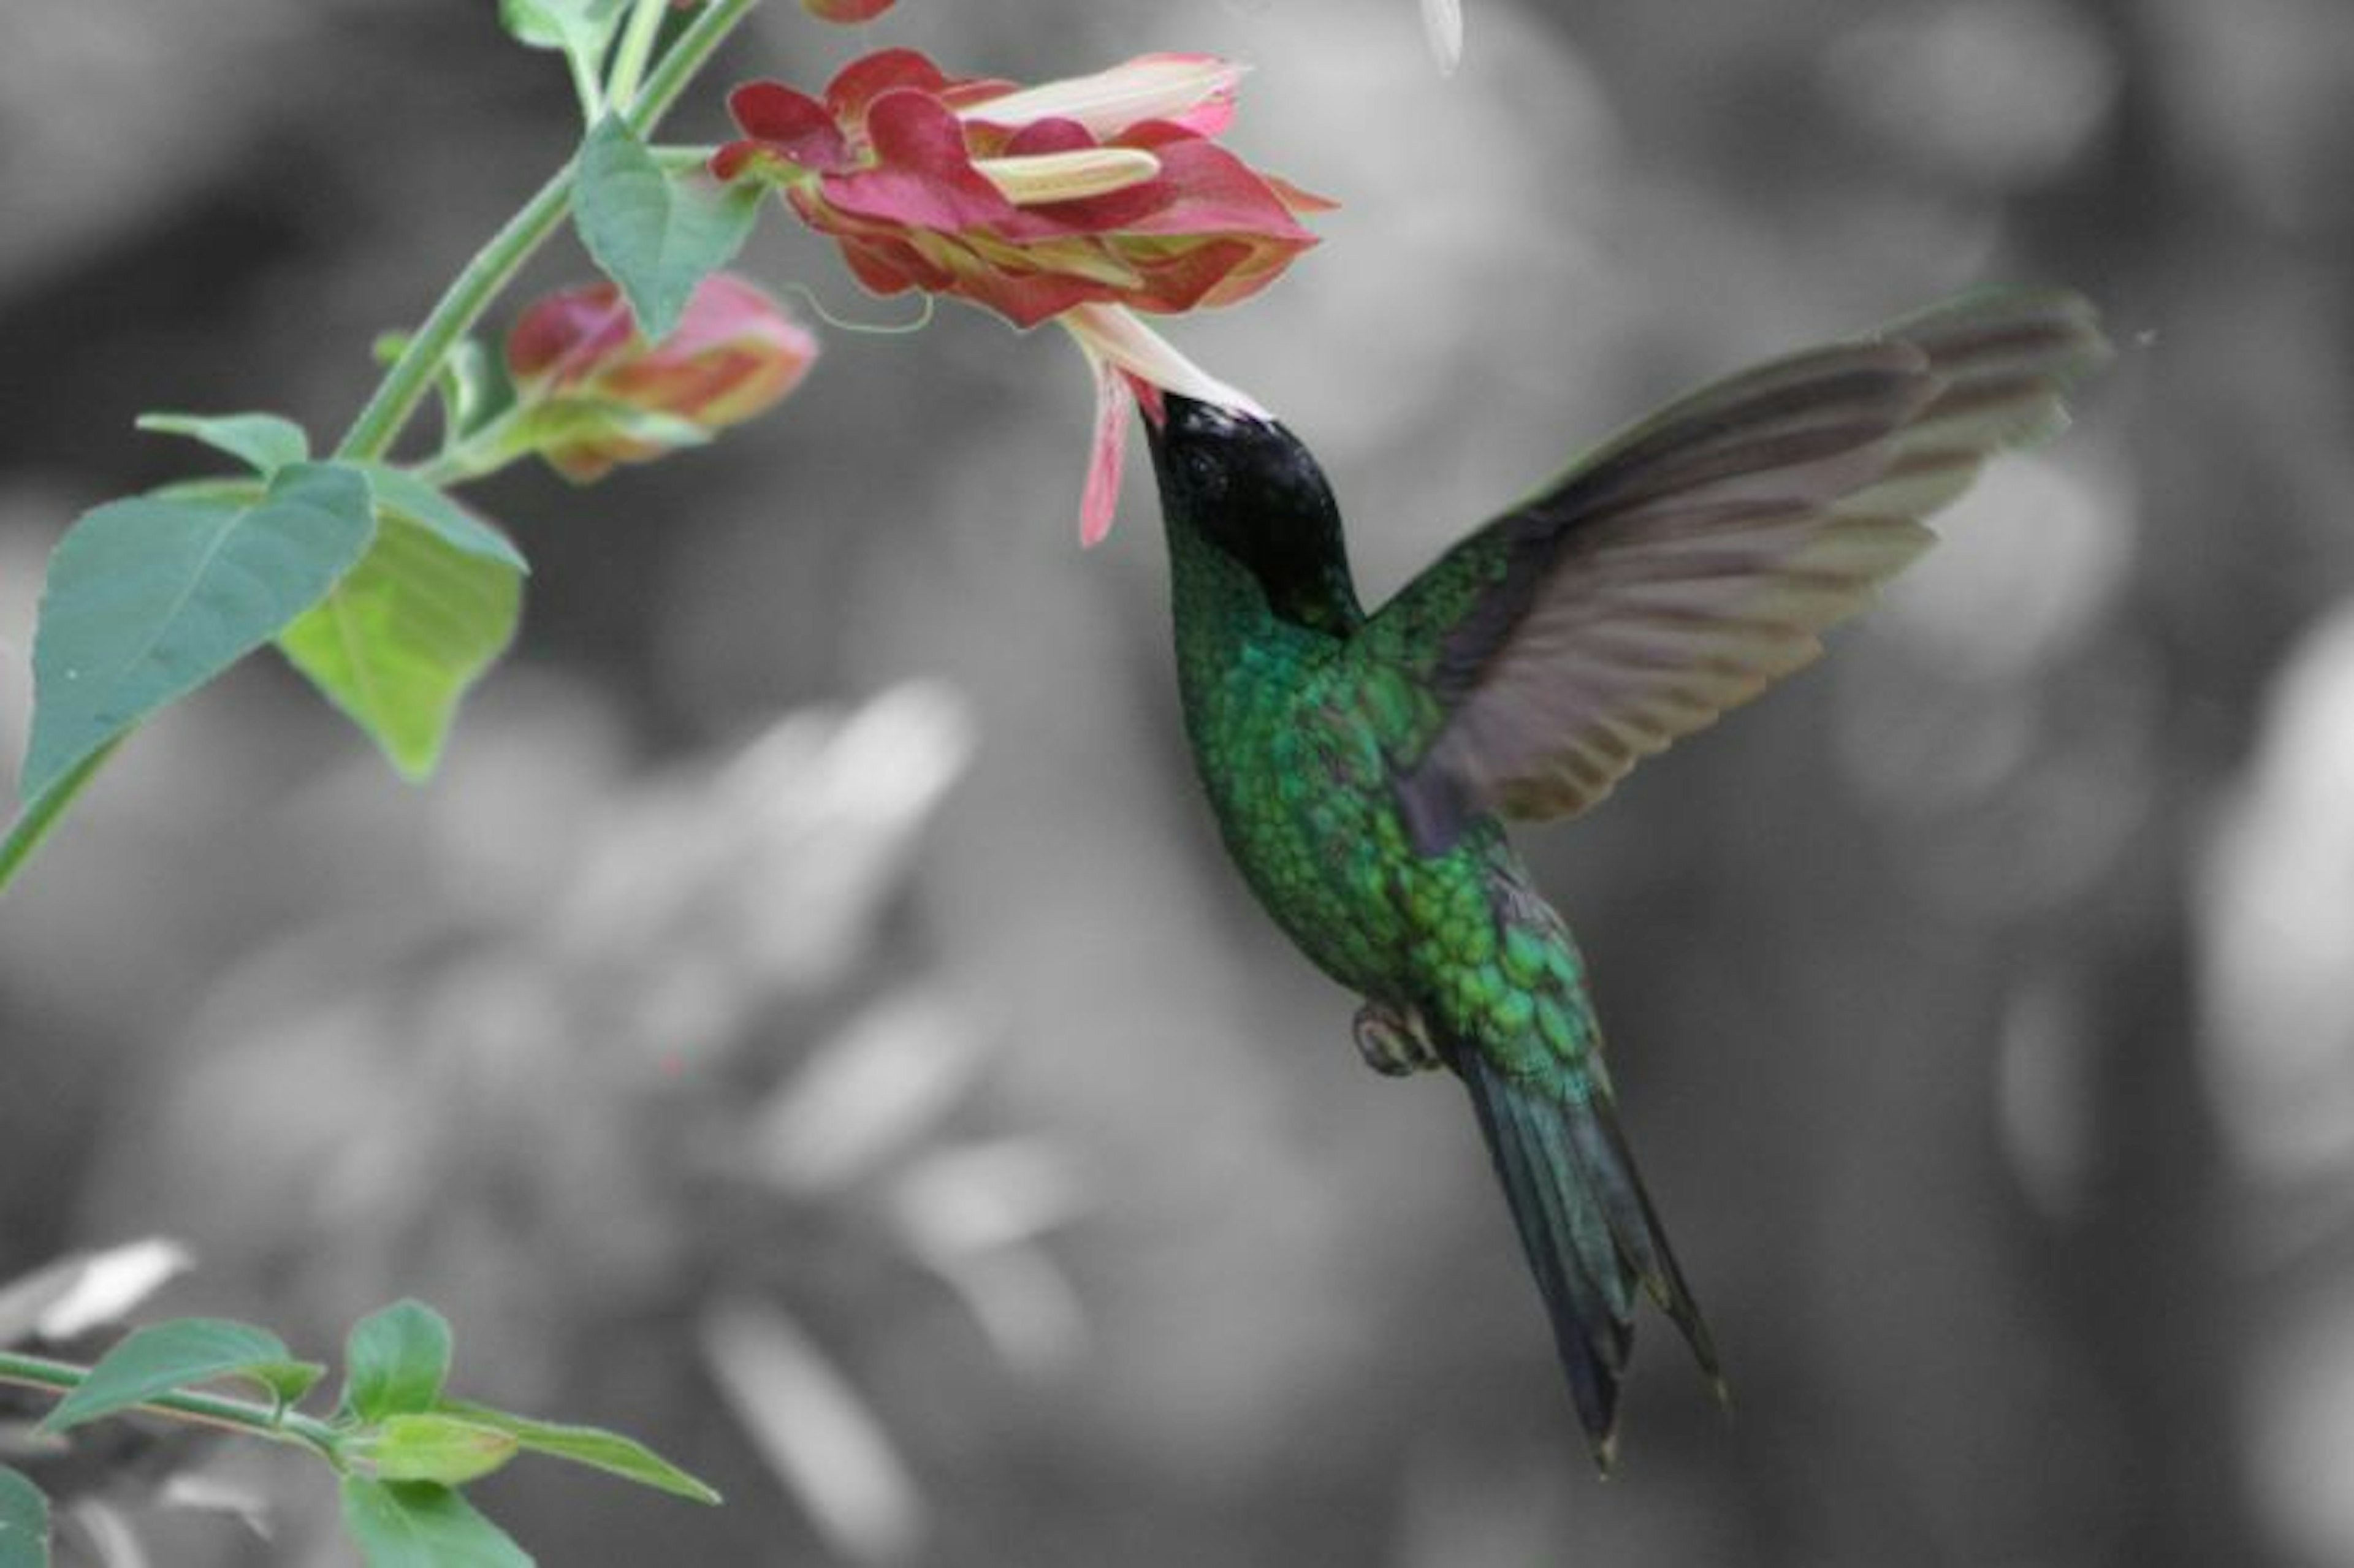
1207	473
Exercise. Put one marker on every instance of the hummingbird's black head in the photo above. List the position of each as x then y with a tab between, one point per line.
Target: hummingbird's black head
1250	487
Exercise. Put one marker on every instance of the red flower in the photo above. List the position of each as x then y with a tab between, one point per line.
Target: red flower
1104	189
1133	365
602	395
1079	201
846	10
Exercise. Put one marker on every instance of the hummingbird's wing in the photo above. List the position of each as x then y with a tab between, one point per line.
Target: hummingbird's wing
1691	560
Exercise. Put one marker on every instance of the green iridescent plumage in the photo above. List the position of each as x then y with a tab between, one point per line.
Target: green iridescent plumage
1358	766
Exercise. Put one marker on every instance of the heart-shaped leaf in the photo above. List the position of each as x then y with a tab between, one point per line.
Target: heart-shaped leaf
655	233
397	643
148	598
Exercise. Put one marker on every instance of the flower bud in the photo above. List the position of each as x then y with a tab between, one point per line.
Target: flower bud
441	1448
598	394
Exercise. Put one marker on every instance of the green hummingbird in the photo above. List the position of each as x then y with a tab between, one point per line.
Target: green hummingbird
1358	764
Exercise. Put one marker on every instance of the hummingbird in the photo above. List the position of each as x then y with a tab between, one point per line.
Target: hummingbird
1361	767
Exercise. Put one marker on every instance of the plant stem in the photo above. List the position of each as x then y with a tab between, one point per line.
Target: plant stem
585	88
238	1415
637	47
405	385
488	450
379	424
388	411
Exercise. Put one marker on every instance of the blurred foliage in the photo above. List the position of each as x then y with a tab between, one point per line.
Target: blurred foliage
1980	999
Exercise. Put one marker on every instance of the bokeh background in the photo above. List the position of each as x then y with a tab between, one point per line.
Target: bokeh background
809	1025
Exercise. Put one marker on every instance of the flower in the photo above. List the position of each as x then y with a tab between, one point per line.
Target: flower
598	394
1079	201
1107	188
846	10
1133	364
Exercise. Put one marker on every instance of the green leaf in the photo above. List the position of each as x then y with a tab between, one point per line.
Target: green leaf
403	494
400	640
415	1524
581	28
24	1523
396	1361
590	1445
148	598
475	388
656	234
289	1380
163	1357
263	442
436	1447
241	491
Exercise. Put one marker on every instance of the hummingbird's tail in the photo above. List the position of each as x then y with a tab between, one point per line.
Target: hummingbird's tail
1588	1229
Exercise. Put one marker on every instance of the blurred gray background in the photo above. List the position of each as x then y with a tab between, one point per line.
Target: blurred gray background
809	1024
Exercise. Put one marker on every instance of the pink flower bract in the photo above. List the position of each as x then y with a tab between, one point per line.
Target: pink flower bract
1107	189
734	354
846	10
1083	202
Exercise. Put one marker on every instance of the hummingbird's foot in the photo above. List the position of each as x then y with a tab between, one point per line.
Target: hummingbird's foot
1393	1044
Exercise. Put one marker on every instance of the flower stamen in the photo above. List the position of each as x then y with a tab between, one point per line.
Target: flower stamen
1035	179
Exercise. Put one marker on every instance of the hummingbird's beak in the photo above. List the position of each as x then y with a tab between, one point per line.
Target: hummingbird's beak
1167	410
1168	416
1173	421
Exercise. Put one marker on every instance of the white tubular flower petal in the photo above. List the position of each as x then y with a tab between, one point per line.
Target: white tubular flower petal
1117	335
1149	86
1039	177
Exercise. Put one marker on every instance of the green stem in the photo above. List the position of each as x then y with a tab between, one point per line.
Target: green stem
197	1409
487	450
412	375
388	411
689	55
470	295
637	47
585	87
405	385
